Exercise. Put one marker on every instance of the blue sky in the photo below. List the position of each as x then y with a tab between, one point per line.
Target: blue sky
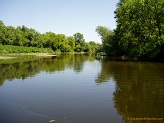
60	16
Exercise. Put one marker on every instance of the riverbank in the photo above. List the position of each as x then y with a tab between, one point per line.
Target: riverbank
6	57
16	55
38	54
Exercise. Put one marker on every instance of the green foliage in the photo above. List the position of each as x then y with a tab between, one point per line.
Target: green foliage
139	32
140	27
61	43
79	37
71	42
7	49
28	37
2	31
48	40
79	42
108	43
93	47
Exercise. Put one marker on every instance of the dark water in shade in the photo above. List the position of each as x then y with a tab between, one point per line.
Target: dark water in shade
80	89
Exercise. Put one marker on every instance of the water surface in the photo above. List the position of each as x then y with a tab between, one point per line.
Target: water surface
80	89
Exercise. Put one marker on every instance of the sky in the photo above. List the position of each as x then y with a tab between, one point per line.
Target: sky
60	16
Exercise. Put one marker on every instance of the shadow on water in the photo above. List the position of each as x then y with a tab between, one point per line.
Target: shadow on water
139	89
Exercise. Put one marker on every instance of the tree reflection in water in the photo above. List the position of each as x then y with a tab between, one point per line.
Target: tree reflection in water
139	89
139	86
22	68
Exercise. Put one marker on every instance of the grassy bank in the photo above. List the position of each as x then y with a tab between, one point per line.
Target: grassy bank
8	49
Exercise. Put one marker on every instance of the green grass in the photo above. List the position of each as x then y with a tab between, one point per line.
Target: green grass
9	49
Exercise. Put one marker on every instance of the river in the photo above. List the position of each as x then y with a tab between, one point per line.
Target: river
80	89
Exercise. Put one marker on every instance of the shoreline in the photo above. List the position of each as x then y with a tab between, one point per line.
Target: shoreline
11	56
6	57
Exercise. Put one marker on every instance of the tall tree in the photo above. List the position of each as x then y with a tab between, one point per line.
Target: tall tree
140	27
48	40
79	44
2	32
20	40
79	37
107	39
71	41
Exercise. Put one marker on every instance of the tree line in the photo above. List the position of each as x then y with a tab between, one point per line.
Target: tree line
139	31
28	37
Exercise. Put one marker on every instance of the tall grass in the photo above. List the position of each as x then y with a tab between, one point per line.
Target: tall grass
9	49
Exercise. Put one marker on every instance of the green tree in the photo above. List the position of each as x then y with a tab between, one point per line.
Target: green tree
48	40
71	42
2	32
9	35
140	27
24	36
31	35
61	43
108	43
79	44
94	47
91	47
79	37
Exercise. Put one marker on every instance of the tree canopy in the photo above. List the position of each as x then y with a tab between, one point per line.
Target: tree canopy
139	31
28	37
107	39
